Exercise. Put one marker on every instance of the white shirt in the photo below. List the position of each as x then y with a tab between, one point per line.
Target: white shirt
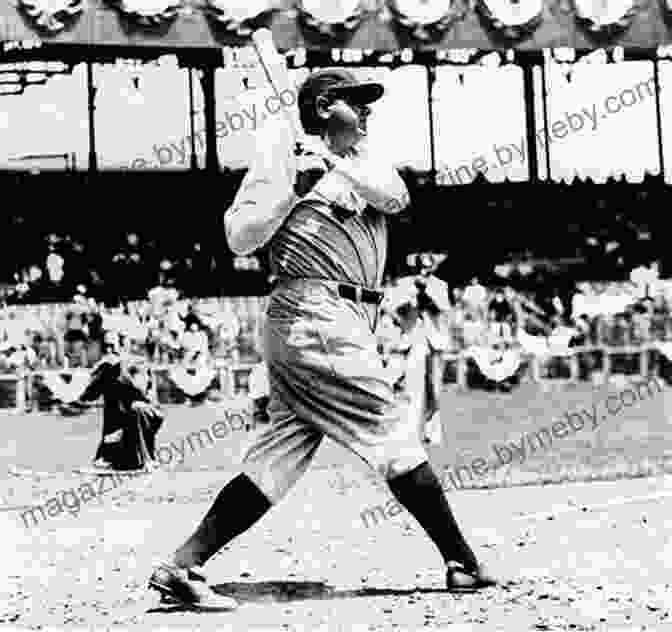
266	196
334	187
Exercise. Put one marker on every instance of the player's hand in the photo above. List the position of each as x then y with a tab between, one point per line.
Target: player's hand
311	168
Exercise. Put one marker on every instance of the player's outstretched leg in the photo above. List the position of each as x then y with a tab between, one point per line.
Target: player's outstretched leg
237	507
420	492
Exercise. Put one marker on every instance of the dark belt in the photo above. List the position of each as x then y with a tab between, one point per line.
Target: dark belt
359	294
355	293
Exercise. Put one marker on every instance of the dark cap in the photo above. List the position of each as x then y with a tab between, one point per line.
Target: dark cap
340	83
336	83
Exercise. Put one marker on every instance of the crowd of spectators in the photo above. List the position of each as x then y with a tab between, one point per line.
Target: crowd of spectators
168	330
591	318
172	330
609	314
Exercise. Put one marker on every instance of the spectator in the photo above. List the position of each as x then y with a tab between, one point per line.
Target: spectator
130	419
175	327
475	297
96	333
473	331
153	339
75	337
227	334
191	318
195	344
580	301
502	317
433	304
557	305
660	319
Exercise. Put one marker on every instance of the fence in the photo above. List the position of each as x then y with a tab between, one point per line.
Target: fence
535	366
26	391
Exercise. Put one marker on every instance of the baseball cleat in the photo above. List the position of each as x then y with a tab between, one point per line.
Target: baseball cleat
187	588
460	580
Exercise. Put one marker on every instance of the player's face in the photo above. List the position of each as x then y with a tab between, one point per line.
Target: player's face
347	124
362	111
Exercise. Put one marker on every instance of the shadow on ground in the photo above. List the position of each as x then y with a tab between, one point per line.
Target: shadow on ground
284	591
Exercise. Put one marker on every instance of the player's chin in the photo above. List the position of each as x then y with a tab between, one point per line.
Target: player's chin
357	139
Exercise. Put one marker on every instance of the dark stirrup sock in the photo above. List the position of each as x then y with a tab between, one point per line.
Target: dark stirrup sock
237	507
419	491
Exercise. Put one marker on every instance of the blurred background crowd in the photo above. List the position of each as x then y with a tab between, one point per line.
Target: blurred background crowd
170	329
166	328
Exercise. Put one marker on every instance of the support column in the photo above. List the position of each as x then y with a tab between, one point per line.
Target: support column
659	124
431	79
91	92
208	87
530	123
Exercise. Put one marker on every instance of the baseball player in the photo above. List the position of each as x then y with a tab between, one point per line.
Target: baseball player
323	216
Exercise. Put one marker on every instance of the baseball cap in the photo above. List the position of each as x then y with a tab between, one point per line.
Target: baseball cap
340	83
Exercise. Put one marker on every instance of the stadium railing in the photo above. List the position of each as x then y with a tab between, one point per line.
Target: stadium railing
23	390
536	365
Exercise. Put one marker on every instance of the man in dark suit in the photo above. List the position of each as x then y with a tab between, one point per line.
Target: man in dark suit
130	419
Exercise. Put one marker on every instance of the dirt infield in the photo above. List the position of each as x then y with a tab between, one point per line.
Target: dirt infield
580	556
602	559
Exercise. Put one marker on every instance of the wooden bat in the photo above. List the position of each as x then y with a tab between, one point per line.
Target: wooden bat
275	70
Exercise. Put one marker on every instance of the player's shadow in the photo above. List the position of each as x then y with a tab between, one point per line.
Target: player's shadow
284	591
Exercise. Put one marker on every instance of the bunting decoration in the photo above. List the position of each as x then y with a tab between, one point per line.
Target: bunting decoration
494	364
193	381
511	19
427	19
328	24
150	13
241	17
64	387
542	346
331	18
51	16
605	18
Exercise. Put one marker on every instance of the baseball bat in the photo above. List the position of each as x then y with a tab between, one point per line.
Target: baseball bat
275	70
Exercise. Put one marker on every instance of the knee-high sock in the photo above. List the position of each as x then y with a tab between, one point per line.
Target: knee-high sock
237	507
419	491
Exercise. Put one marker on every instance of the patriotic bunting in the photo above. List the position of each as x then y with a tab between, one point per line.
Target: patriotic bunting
332	18
427	19
66	387
605	17
495	365
239	16
192	381
335	21
546	346
512	19
148	12
51	16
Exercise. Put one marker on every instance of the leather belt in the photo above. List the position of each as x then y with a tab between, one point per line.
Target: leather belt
359	294
350	292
